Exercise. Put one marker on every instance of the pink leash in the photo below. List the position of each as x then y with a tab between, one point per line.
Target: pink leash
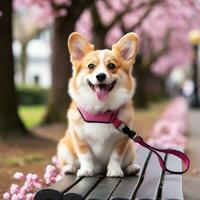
111	117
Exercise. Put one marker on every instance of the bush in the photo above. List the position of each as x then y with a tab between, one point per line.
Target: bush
31	95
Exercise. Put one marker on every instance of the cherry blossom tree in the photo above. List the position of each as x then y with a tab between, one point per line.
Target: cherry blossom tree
163	28
162	25
126	16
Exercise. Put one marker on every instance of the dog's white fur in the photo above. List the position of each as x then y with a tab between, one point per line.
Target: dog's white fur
100	139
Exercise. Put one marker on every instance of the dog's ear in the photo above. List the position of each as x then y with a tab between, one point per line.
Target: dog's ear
127	46
78	46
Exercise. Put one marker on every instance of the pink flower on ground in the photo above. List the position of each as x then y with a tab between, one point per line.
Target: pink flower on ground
6	196
14	189
29	196
169	131
19	176
14	197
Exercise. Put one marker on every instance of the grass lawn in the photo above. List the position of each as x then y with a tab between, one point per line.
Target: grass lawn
32	115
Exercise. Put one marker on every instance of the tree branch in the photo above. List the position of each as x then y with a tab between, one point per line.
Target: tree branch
128	8
154	56
119	16
97	23
109	5
150	6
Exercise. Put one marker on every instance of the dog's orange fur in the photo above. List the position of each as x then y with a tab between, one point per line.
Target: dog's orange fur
74	144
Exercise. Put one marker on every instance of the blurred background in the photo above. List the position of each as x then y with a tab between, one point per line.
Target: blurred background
35	69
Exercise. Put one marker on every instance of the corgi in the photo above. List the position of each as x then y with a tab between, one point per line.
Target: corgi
101	81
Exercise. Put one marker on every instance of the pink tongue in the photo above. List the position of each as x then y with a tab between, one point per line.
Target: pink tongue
101	93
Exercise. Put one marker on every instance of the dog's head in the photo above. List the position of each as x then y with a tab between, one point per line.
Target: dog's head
102	79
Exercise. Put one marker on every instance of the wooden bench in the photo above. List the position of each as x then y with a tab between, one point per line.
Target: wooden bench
151	183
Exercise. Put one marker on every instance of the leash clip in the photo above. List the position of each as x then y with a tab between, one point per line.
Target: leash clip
125	129
122	126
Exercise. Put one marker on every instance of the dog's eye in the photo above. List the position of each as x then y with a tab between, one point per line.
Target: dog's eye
111	66
91	66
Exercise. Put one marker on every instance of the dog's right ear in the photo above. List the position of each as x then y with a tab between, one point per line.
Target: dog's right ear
78	46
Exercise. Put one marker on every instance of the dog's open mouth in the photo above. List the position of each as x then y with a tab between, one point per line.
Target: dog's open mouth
102	90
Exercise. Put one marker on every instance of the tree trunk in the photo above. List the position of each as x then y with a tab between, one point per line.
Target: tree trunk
10	123
149	87
61	71
98	30
23	62
58	100
140	98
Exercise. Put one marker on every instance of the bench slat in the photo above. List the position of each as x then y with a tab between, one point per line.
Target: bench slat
172	185
56	190
65	183
125	188
127	185
82	188
152	178
104	189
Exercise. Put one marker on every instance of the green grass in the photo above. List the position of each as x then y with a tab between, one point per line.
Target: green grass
20	160
32	115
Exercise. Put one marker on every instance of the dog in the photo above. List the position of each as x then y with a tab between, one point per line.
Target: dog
101	81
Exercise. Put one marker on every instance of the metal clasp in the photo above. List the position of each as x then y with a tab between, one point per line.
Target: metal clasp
121	127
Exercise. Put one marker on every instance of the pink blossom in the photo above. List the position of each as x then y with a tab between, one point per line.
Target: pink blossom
50	174
31	176
62	2
14	197
32	183
113	35
6	196
29	196
170	129
19	176
62	13
14	189
84	24
21	195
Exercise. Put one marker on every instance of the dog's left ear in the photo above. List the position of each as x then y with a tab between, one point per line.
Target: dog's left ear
78	46
127	46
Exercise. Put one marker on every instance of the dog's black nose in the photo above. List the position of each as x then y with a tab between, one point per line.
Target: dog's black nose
101	77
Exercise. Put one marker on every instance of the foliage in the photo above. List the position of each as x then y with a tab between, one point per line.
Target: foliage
163	28
163	25
31	95
31	115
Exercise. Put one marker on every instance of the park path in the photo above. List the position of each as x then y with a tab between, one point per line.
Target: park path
191	180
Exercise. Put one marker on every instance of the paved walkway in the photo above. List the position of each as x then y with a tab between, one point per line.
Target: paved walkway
191	180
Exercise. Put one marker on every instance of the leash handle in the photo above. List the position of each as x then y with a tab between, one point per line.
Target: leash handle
174	152
121	126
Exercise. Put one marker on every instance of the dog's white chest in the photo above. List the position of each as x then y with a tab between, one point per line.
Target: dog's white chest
101	138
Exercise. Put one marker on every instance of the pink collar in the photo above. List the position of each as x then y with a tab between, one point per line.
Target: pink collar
101	117
111	117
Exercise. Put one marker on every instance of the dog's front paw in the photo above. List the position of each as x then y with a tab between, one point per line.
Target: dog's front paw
132	169
115	172
85	172
69	169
